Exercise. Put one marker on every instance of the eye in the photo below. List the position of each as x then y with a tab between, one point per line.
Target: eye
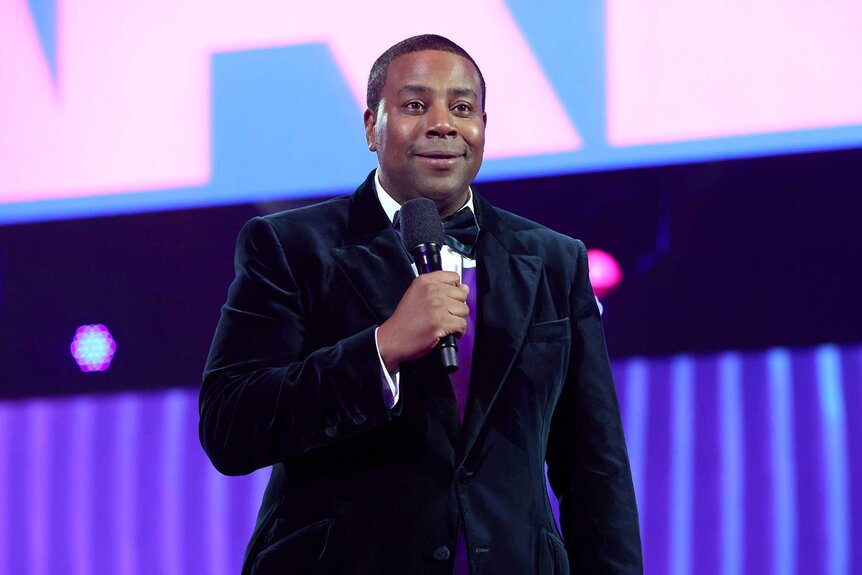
462	109
414	106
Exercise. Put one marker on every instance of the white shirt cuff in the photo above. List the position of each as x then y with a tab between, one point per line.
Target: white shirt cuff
389	381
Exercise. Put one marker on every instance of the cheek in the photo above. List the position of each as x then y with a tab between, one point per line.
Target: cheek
383	130
399	140
405	132
391	133
476	137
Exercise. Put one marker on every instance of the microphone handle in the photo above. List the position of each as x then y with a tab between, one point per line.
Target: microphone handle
427	258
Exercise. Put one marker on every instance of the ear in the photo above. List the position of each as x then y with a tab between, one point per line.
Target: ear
370	119
485	119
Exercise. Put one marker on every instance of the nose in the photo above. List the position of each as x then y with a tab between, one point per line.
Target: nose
440	123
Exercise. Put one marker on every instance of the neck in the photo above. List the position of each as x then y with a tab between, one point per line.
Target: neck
453	207
446	206
447	203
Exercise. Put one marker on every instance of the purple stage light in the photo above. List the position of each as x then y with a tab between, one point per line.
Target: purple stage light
93	347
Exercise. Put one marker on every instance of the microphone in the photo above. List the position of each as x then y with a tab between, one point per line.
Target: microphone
422	234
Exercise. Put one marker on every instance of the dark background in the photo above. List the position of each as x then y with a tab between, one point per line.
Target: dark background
741	254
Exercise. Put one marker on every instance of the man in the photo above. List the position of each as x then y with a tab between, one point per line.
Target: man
323	366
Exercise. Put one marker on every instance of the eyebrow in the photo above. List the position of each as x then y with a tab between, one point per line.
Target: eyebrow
420	89
463	92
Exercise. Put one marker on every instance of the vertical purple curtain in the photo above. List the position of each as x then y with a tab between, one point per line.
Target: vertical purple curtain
744	463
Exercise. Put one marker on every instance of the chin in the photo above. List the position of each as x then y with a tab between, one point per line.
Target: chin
444	195
441	186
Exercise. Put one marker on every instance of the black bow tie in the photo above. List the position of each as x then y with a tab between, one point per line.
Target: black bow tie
460	230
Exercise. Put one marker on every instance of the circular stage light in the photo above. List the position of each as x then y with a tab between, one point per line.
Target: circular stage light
605	273
93	347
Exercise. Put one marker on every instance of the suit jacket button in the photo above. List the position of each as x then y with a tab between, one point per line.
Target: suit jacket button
465	476
331	431
441	553
358	419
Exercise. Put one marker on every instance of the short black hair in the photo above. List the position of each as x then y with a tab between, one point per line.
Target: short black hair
377	78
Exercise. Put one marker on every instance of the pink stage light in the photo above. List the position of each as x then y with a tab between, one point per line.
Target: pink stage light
93	347
605	272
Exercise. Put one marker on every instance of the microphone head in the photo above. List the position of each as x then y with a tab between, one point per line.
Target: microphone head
420	223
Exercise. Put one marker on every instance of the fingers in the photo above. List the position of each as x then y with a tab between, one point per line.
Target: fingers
449	284
458	309
452	299
454	293
450	278
460	329
453	325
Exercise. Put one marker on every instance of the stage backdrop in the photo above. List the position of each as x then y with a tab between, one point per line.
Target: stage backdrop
111	106
743	463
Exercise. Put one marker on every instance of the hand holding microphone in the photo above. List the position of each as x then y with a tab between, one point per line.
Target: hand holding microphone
433	309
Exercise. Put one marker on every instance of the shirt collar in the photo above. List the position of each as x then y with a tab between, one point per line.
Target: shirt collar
390	206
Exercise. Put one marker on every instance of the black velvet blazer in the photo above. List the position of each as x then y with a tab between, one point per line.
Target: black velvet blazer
293	380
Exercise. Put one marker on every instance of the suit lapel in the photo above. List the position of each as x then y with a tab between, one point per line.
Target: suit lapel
506	284
379	273
372	258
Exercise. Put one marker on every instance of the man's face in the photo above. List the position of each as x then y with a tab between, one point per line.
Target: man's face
429	129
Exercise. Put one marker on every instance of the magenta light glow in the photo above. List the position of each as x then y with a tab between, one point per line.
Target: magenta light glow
605	272
93	347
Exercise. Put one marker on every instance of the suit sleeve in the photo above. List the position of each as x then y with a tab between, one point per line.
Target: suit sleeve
588	465
264	396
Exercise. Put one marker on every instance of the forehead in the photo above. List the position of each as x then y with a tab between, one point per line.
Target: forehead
432	68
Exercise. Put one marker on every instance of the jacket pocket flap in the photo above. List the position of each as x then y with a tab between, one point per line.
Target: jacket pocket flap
555	330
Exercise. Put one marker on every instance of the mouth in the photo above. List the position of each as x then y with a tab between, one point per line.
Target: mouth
439	155
442	162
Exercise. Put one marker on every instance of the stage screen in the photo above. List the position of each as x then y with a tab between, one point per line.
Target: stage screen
122	106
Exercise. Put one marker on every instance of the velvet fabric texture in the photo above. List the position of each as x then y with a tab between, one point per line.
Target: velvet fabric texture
293	381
